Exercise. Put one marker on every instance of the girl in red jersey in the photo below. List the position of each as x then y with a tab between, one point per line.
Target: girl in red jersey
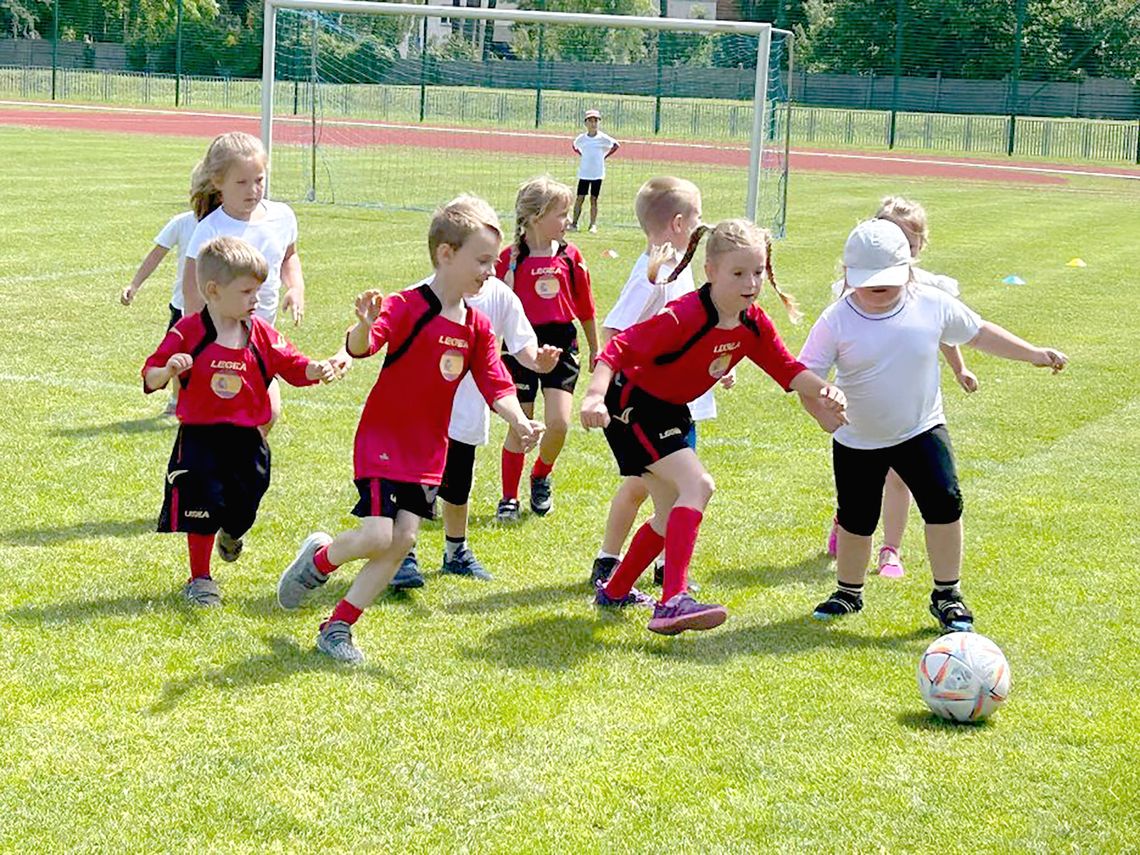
553	283
644	380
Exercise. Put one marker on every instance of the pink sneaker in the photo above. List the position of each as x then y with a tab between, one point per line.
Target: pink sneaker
890	565
683	612
833	538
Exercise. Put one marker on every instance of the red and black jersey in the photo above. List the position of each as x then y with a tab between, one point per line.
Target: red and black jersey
228	385
402	434
678	355
553	289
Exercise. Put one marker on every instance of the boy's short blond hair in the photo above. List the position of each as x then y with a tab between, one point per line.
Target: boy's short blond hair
660	199
460	218
224	259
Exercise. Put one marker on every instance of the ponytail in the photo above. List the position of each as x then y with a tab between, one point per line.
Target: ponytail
698	233
790	304
204	196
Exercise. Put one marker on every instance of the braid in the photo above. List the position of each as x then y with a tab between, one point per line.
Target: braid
793	309
690	251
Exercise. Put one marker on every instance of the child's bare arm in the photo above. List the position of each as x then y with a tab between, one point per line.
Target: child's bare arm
191	297
368	307
294	282
147	267
156	378
1001	342
526	429
540	360
590	328
966	378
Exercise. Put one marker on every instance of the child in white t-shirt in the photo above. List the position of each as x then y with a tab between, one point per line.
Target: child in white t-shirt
594	146
470	428
883	337
911	218
176	233
669	211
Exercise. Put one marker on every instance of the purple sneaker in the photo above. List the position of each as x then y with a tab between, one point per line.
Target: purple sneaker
683	612
633	598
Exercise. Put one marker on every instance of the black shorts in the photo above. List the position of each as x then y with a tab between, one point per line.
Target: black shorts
215	480
175	317
643	428
926	465
565	373
380	497
591	186
458	473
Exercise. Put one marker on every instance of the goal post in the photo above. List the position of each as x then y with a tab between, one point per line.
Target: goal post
347	102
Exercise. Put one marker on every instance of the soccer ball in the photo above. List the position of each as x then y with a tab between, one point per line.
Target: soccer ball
963	676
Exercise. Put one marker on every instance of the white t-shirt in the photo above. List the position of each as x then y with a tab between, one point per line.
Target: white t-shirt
273	234
593	150
177	233
641	299
887	364
923	277
470	415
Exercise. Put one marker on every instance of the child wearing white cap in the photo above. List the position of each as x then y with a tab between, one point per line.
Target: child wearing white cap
883	339
593	146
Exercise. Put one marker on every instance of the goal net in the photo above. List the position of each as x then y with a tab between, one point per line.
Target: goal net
405	106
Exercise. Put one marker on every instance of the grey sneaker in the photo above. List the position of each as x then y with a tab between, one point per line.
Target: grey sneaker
335	641
202	591
229	548
171	408
408	575
541	495
302	576
465	564
508	511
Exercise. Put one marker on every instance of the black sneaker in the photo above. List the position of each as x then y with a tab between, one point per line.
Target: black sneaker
602	570
541	496
464	563
838	605
658	573
508	511
408	575
229	548
951	611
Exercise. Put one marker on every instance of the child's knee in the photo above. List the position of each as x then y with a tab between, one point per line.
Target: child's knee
861	521
632	492
556	425
943	507
403	541
375	537
705	487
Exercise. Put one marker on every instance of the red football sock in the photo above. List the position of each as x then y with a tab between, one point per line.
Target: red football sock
680	538
200	545
344	611
321	560
513	462
541	468
644	547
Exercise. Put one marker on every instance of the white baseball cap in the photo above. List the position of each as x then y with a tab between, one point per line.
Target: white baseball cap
877	255
593	114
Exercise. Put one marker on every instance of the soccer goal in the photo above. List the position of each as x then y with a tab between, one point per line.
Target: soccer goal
404	106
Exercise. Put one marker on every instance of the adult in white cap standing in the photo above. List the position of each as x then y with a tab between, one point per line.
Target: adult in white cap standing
883	336
593	146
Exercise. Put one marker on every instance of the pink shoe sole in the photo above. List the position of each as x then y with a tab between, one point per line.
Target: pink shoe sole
891	569
708	619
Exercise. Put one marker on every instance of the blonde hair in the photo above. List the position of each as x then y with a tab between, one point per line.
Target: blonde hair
460	218
658	201
534	200
223	152
729	235
224	259
908	216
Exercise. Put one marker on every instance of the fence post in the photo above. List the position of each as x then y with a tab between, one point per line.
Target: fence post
54	45
1016	76
900	12
423	69
538	75
178	54
1138	140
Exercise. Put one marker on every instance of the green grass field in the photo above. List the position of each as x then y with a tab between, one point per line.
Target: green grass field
511	716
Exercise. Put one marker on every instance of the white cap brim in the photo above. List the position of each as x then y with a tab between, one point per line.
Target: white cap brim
886	277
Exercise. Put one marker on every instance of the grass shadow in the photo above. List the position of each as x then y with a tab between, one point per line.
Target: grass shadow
928	722
78	531
82	610
266	605
539	596
149	424
815	569
284	660
553	643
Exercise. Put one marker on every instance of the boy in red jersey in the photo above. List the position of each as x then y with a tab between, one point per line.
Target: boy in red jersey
644	380
224	358
553	283
433	340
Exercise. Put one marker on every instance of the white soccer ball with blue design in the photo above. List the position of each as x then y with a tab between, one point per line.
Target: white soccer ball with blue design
963	676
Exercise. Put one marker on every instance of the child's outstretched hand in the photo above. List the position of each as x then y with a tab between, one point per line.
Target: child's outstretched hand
323	371
1049	358
340	362
967	380
659	254
834	402
546	358
368	306
594	413
529	433
178	363
128	296
729	379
